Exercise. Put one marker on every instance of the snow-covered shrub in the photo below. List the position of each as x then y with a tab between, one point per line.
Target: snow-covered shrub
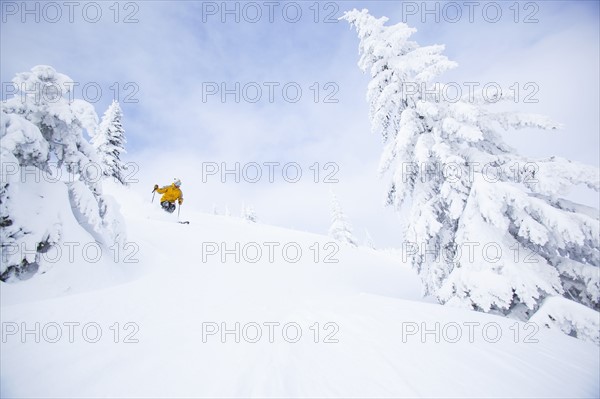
248	213
569	317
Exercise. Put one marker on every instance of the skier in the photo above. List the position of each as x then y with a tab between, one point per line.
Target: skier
171	193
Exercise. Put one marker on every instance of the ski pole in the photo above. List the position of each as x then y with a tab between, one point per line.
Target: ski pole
153	194
178	211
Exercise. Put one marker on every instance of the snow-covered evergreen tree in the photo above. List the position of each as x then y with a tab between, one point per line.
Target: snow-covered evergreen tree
41	132
341	229
109	142
248	213
215	210
487	228
369	240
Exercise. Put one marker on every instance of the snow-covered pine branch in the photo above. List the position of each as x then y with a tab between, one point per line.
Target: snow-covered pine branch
571	318
467	188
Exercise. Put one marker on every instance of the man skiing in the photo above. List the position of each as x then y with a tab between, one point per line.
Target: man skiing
171	193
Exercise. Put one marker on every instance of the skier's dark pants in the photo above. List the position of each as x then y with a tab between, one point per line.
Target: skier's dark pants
168	206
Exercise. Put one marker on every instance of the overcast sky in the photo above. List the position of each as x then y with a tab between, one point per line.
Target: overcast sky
165	65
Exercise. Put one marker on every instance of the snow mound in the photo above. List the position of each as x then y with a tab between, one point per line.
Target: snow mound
197	316
569	317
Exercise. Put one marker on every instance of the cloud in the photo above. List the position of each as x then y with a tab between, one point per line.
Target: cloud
175	50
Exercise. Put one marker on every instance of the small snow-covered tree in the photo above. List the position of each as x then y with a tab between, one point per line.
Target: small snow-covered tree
109	142
341	229
369	240
227	211
248	213
41	132
215	210
469	191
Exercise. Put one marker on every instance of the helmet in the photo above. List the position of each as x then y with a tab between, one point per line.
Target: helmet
177	182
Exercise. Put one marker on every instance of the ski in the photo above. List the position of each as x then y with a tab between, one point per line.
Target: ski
186	222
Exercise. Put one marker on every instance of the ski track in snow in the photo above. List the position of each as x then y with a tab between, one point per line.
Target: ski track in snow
171	292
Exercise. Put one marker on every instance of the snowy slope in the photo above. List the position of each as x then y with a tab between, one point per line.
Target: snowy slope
170	295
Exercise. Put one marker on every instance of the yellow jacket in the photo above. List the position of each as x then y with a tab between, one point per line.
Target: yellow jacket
170	193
